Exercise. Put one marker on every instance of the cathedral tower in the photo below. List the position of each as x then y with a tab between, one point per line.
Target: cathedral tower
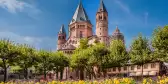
80	25
102	23
61	38
117	35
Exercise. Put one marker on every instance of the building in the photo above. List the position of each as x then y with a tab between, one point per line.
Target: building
81	27
149	69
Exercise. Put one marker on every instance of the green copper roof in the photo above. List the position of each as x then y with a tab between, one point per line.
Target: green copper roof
80	14
102	7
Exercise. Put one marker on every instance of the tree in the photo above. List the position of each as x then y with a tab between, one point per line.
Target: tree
26	59
160	43
44	62
8	53
80	57
118	53
59	62
99	57
140	51
79	61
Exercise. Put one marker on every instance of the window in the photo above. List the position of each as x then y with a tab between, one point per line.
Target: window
104	17
100	17
81	34
153	65
145	66
125	68
114	69
132	67
119	68
138	67
59	37
109	70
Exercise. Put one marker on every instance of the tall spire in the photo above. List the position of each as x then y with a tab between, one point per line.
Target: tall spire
80	14
102	7
117	30
62	30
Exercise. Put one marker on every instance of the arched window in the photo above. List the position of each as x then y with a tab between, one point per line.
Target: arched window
100	17
59	37
81	34
104	17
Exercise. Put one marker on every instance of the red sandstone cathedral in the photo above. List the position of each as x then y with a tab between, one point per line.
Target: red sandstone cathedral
80	27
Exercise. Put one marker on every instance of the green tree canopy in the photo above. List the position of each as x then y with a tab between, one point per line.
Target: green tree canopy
160	43
45	61
59	62
140	50
27	58
118	54
80	58
8	53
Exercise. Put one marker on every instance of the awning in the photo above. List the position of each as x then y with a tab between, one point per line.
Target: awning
132	74
138	73
152	73
145	73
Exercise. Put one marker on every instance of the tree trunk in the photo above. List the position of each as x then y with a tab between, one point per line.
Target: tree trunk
5	74
98	72
56	72
5	71
82	74
104	73
91	72
26	73
61	74
45	74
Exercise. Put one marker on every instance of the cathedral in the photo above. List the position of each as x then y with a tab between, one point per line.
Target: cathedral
81	27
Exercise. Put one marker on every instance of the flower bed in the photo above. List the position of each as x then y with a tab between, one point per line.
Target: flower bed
159	80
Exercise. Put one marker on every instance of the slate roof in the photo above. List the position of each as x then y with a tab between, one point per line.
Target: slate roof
62	30
102	7
80	15
116	32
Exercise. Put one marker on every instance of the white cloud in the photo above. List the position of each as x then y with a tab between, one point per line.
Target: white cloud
39	43
14	6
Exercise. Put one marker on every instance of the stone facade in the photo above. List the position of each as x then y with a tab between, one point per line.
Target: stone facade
80	27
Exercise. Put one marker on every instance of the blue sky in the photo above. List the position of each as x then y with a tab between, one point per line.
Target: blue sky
37	22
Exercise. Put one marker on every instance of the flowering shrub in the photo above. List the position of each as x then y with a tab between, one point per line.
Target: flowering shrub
159	80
